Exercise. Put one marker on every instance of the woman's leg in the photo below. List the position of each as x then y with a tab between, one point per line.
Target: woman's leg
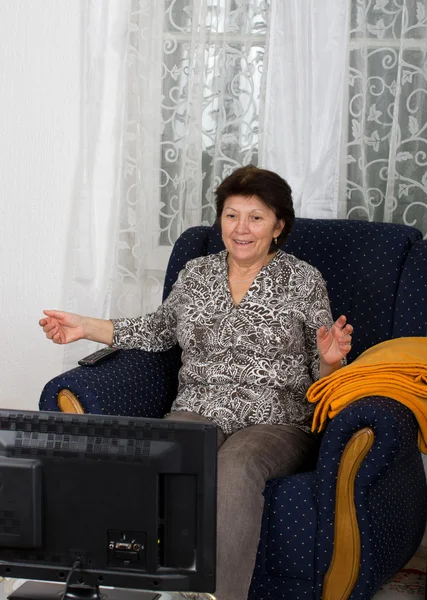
246	460
184	415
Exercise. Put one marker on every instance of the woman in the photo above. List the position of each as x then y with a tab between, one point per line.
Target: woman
255	327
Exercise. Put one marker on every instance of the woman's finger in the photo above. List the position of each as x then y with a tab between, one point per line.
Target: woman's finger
50	326
322	332
57	314
50	334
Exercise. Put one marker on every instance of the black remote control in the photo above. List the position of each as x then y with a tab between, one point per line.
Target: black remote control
94	359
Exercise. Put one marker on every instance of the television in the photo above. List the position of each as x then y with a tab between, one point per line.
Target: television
99	503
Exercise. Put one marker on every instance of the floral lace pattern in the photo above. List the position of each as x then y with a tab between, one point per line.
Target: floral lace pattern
387	110
245	364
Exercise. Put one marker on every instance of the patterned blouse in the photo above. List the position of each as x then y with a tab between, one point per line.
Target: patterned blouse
246	364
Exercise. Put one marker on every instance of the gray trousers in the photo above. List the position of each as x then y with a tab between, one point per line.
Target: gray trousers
246	460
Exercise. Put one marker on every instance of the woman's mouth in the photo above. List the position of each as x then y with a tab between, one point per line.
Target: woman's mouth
242	242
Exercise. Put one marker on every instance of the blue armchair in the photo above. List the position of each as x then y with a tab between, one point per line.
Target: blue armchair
341	530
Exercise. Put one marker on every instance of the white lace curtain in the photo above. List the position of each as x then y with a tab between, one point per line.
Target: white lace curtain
171	106
350	81
385	127
191	115
177	93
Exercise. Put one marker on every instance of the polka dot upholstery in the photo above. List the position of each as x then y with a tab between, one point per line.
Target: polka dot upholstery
411	306
376	274
285	559
390	495
362	264
131	383
196	241
391	499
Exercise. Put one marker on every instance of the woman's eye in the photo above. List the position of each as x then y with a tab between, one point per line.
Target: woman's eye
256	218
230	216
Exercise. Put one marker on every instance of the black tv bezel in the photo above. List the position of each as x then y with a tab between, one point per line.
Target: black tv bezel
45	423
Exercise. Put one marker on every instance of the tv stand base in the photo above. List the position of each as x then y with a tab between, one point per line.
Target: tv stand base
35	590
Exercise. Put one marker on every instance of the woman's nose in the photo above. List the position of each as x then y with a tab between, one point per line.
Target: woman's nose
242	225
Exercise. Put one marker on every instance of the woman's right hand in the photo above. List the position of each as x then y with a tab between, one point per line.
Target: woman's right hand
63	327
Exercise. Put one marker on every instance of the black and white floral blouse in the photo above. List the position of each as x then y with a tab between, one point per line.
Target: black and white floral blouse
246	364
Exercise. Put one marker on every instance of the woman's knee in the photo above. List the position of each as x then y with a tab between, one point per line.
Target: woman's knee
239	467
263	452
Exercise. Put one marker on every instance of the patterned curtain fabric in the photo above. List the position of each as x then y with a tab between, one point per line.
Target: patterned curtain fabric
386	130
178	93
191	115
171	105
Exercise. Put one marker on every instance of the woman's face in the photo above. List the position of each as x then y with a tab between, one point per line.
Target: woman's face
248	227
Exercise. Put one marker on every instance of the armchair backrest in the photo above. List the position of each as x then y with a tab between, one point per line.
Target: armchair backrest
368	269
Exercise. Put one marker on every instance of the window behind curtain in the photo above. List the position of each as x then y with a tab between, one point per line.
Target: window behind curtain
211	90
193	89
386	153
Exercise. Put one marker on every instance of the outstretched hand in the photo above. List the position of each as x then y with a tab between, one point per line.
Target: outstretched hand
62	327
334	344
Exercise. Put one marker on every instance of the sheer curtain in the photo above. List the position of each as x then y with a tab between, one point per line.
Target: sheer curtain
178	93
191	115
305	83
386	132
92	239
171	106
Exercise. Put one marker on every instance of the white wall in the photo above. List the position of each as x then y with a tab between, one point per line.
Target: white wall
40	112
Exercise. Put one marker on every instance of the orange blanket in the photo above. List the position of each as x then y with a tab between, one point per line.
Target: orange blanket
395	368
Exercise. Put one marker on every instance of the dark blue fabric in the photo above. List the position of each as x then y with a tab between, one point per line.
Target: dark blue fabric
287	546
191	244
279	588
389	537
296	541
362	265
411	307
131	383
376	274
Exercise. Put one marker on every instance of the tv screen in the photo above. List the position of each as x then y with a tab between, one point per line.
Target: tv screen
96	501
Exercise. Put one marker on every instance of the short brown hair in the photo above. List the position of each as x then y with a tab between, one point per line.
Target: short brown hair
266	185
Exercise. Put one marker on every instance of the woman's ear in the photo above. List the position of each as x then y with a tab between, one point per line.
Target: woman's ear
279	227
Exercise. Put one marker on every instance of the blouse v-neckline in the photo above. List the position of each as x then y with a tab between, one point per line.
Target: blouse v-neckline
227	283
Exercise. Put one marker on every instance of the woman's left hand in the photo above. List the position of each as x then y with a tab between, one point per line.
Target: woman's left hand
335	343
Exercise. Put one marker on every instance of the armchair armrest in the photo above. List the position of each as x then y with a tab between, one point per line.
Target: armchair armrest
388	486
132	383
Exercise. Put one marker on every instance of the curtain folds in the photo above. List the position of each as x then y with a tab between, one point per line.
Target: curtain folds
191	115
93	234
386	148
178	93
171	106
303	106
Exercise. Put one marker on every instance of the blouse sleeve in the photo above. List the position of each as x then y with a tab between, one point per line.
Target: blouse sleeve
318	313
154	332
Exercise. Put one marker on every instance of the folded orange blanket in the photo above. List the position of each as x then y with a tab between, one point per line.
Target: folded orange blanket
395	368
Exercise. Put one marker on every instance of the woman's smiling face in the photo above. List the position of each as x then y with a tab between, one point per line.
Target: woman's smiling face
248	227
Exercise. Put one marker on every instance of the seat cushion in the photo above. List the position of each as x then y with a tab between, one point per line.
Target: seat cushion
288	536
